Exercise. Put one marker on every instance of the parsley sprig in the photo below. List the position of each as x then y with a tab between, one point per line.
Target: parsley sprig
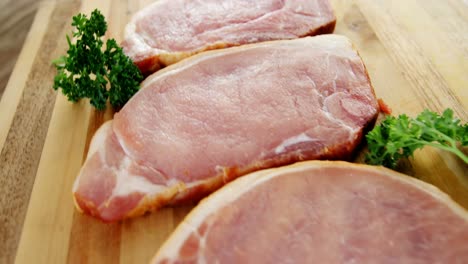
87	69
398	137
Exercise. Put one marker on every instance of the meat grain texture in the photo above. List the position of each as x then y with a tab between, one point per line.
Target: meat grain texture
221	114
170	30
322	212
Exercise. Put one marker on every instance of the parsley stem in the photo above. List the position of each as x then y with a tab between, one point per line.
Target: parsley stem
437	132
454	150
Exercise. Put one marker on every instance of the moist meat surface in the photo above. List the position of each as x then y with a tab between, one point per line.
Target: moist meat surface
326	212
219	115
169	30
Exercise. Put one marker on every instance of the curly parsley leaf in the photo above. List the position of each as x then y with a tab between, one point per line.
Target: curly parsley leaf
399	137
88	71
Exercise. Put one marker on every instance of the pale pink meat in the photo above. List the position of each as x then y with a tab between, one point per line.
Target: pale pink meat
322	212
170	30
212	118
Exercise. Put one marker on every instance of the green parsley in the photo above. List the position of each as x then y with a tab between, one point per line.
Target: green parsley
399	137
86	70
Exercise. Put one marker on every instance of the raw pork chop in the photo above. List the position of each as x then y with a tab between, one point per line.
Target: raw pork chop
322	212
207	120
170	30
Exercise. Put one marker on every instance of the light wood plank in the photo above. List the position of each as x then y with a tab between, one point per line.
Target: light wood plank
435	41
386	76
117	19
92	241
48	222
60	163
451	20
426	80
14	89
21	152
460	6
142	236
443	170
16	18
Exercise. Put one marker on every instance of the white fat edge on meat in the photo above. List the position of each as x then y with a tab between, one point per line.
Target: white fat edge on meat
325	111
352	74
141	46
139	180
352	131
127	183
98	140
301	138
201	240
299	8
313	83
335	77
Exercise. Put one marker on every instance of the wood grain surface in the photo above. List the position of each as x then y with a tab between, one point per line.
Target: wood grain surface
26	109
416	52
16	17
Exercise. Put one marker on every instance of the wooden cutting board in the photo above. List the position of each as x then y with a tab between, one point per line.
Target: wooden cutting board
416	52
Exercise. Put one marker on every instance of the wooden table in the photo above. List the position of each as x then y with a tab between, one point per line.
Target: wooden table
16	17
416	52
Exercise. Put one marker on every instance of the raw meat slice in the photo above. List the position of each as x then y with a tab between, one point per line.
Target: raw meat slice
200	123
170	30
322	212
